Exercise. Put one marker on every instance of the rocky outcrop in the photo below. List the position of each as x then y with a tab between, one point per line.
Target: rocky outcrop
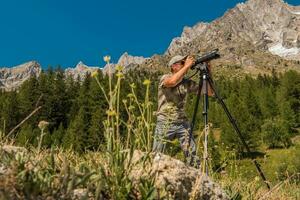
80	71
173	176
12	78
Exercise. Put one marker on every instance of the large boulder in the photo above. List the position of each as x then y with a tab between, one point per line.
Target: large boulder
175	177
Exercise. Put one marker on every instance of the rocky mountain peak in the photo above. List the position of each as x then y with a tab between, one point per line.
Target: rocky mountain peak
12	78
188	35
80	70
81	66
269	25
127	61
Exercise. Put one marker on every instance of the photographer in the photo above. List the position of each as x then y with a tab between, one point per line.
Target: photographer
171	119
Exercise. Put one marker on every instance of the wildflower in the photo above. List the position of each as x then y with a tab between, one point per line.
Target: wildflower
132	85
147	82
131	107
119	68
120	75
111	113
106	59
94	74
43	124
130	95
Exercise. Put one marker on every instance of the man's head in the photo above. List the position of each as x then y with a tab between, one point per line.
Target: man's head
176	62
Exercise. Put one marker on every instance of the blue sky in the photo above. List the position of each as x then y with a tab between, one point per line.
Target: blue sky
64	32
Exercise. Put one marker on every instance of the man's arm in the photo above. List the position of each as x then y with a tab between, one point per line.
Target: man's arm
175	78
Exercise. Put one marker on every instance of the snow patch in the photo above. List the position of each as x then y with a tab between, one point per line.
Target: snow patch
280	50
295	12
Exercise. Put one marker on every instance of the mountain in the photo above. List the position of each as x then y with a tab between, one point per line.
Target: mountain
270	25
127	61
11	78
80	71
253	37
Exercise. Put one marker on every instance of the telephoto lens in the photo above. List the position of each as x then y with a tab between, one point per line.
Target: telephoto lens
208	57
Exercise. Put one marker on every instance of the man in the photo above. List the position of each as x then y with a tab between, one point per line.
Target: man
171	119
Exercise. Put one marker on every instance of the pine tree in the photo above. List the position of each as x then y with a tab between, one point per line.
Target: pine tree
288	98
26	135
57	136
10	112
96	130
58	101
75	134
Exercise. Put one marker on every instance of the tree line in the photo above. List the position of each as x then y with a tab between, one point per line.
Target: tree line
266	108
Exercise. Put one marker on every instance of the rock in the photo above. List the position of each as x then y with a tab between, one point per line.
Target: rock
172	175
80	193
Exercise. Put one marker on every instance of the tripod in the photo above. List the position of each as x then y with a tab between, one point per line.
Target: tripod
205	81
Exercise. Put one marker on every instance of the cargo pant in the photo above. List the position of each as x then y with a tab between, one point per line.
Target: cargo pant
169	131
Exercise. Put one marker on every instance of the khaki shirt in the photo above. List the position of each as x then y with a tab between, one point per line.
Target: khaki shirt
172	100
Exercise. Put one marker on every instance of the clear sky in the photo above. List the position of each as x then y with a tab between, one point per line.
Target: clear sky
64	32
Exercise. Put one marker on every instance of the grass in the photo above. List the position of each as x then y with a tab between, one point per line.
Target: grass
57	173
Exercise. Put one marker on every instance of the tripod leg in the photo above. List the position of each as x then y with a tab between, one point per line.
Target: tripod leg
195	110
188	153
232	121
205	115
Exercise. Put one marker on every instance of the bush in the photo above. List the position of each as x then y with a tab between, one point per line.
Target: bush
275	133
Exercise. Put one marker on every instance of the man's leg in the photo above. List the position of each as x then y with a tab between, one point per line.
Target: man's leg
158	144
189	151
163	131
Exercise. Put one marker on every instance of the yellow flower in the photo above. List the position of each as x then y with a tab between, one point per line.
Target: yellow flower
106	59
111	113
147	82
132	85
119	74
119	68
131	107
94	74
130	95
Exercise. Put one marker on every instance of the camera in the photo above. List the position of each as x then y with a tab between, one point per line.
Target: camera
200	60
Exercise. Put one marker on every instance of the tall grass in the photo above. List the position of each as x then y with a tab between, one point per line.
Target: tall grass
62	174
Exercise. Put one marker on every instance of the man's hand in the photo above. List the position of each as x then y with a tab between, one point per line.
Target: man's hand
189	62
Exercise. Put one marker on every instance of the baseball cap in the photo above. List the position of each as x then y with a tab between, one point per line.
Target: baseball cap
176	59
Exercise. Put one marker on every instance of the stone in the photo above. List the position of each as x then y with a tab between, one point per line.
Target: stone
174	176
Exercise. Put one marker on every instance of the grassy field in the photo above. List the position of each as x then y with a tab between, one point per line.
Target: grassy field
37	173
57	173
